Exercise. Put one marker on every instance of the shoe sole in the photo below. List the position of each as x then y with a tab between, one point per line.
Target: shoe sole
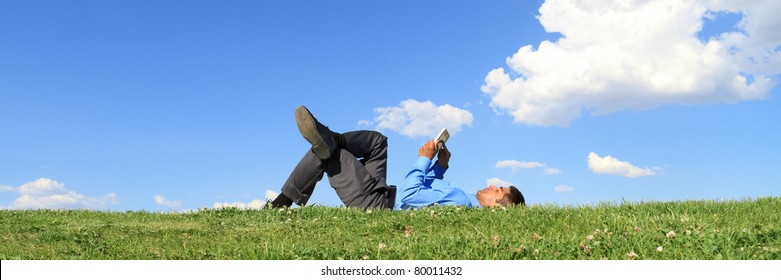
308	128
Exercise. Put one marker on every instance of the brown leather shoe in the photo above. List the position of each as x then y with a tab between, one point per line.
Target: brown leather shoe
316	133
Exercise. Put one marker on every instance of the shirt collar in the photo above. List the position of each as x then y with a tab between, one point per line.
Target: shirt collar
473	201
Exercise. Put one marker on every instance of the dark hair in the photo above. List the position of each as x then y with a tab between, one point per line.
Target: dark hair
515	197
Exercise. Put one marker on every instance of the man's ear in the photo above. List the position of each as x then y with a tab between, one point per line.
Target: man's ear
499	199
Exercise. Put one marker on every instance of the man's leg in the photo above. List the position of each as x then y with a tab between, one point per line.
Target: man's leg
353	182
301	182
372	148
357	185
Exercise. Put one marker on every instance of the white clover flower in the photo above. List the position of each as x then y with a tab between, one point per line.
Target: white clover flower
659	249
671	234
586	249
590	237
632	255
496	240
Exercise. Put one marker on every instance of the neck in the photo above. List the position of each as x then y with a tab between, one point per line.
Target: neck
483	203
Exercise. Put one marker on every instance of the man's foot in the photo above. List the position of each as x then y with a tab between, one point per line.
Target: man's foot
270	197
316	133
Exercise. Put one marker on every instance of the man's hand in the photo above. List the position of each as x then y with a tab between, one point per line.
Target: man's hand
444	156
428	150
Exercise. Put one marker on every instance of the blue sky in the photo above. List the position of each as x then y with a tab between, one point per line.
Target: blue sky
174	105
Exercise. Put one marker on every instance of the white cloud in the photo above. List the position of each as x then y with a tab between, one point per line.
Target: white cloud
613	166
563	188
756	45
619	55
515	165
414	118
50	194
4	188
160	200
552	171
271	195
498	182
254	204
365	123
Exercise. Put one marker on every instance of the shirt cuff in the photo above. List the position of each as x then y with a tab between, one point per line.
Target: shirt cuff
439	171
422	164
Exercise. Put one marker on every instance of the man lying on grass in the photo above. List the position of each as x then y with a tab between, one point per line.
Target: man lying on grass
356	164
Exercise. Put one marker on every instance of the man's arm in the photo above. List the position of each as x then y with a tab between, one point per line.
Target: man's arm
443	159
414	192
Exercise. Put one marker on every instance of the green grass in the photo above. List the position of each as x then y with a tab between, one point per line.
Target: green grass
747	229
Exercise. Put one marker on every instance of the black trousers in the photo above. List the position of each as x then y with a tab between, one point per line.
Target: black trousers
357	173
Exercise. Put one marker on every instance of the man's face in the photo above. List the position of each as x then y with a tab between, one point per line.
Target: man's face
492	194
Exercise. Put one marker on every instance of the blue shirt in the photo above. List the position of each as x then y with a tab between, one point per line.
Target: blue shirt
424	186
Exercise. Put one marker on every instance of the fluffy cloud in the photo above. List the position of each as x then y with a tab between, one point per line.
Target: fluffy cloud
50	194
254	204
612	166
552	171
160	200
619	55
498	182
414	118
756	45
515	165
563	188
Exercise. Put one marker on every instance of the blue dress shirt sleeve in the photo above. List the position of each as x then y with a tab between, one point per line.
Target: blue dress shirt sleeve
436	172
415	192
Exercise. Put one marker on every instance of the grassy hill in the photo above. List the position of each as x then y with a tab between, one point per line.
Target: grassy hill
747	229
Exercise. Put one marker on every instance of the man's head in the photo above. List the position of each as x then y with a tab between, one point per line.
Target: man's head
493	196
